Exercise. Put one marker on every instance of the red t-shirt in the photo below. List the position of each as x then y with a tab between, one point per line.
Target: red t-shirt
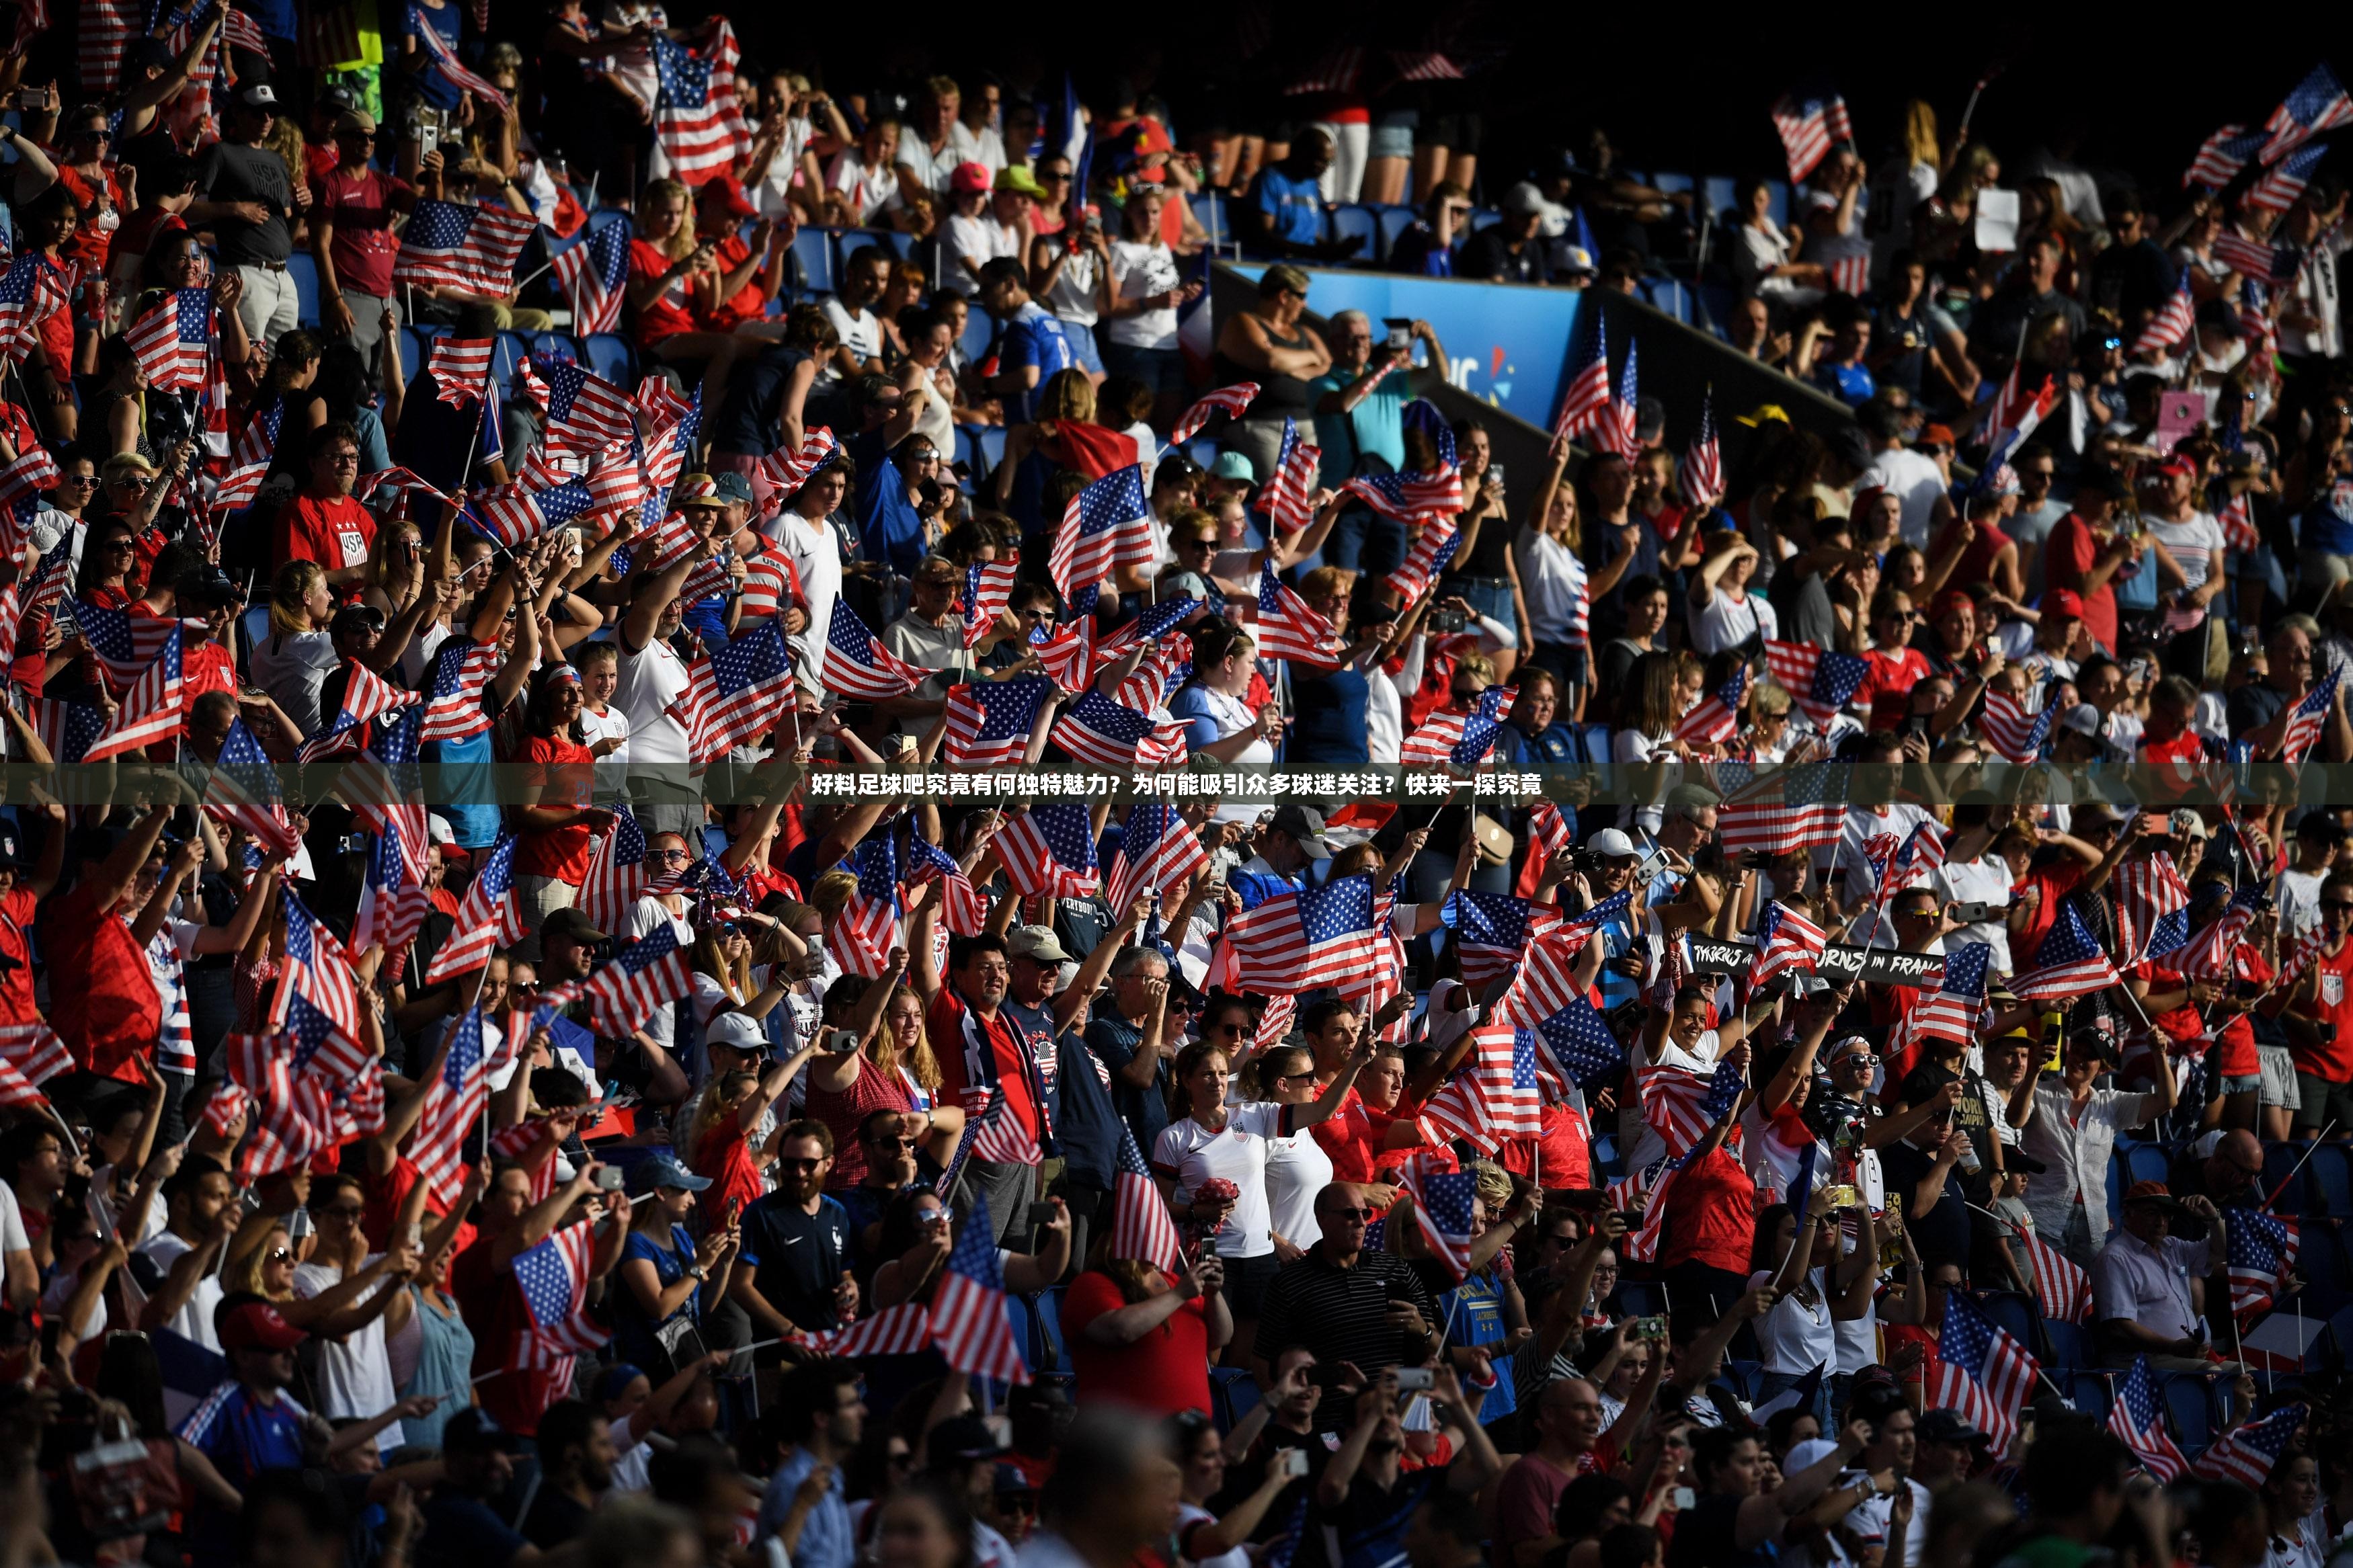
1165	1371
335	531
1348	1140
88	242
361	208
749	303
2067	555
2056	881
2188	751
17	911
722	1155
2331	1059
1893	672
382	1197
668	313
141	229
1711	1216
208	666
495	1310
1975	564
562	771
56	328
961	1072
110	1016
1559	1158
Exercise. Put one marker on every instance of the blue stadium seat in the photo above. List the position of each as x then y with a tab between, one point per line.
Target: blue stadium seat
2190	1400
412	355
1233	1393
1671	183
253	626
611	357
303	269
992	445
1605	1154
1016	1308
2332	1179
979	331
1485	217
2116	1189
2279	1159
2068	1342
1202	450
1209	210
1720	191
1741	1376
511	350
2091	1394
1357	222
1714	306
2145	1161
848	242
1668	295
968	453
1639	1299
2014	1314
813	261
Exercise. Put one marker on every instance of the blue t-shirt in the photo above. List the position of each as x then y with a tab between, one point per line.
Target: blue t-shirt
1294	208
464	1532
242	1436
2323	530
432	88
889	529
633	1335
1033	337
1850	384
828	1540
1374	428
1332	708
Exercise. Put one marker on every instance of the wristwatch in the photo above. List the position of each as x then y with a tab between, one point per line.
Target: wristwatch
697	1271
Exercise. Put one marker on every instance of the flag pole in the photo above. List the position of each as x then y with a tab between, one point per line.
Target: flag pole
2308	1149
465	476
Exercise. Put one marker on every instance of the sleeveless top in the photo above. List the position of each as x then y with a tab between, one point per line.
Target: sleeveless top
1278	395
874	1091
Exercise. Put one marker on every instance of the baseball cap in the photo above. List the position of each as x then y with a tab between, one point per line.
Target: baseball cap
475	1430
724	194
356	618
2083	719
207	584
358	119
664	1171
258	96
736	1031
1612	844
256	1326
1233	466
1020	182
439	831
969	177
572	925
2177	469
2064	602
695	490
1947	1427
336	100
2155	1193
2188	823
1525	198
964	1437
1935	436
1304	823
1037	942
732	486
1575	261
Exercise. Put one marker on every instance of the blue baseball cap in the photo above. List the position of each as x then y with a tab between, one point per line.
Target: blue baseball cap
731	487
664	1171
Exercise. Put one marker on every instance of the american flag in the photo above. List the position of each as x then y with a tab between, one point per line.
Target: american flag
2171	324
2061	1289
1700	476
292	1123
452	1101
1229	401
103	37
1545	982
460	369
1432	548
1786	942
1821	681
472	249
553	1277
1168	664
965	910
1411	497
2014	412
318	996
1068	655
2068	964
1683	1105
515	515
1495	1096
2308	718
150	712
623	993
394	901
1576	1044
243	791
367	695
2138	1420
22	483
31	290
1585	403
2222	157
2308	947
786	472
1645	1189
1106	526
1809	127
1549	835
989	722
616	872
2150	897
1335	70
1850	273
386	786
1102	733
987	584
66	728
970	1324
1289	498
453	705
2211	954
867	927
1442	1204
257	445
902	1329
1953	1011
1288	628
857	665
173	339
1049	849
699	129
444	60
1423	65
593	275
1797	808
2285	181
1492	931
2015	734
1295	940
399	479
738	694
2263	1249
2247	1452
1274	1024
1615	433
123	644
527	1142
30	1055
1460	740
2253	259
2317	104
1141	1227
487	917
1157	850
1981	1372
586	413
1714	719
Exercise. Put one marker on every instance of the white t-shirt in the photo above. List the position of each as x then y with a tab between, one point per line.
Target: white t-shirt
1980	881
1868	1518
1725	624
859	332
1914	480
1297	1169
1139	270
649	915
1072	297
612	770
870	191
982	146
292	668
194	1320
815	554
1797	1338
2299	901
355	1375
652	680
11	1222
771	196
930	169
1238	1154
2189	544
982	239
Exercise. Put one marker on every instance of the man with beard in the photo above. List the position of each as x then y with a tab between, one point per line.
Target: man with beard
888	1137
794	1276
820	1419
576	1455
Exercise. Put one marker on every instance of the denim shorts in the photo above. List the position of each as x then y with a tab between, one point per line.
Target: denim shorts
1393	133
1082	339
1162	370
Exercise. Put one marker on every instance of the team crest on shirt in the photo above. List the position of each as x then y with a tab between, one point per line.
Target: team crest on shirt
2332	988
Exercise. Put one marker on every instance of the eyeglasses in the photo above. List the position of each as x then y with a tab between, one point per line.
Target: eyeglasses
345	459
279	1255
670	854
344	1211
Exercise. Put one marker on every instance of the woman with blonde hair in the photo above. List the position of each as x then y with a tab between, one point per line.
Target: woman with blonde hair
671	278
892	1067
294	660
1064	435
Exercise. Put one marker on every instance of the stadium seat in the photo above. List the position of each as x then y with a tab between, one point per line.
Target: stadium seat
2066	1342
2279	1160
1720	191
1210	212
1053	1347
2190	1399
557	347
254	625
992	445
1741	1377
1485	217
1777	193
979	331
2116	1189
2091	1393
1668	296
2145	1161
1605	1154
609	357
2014	1314
1671	183
412	355
2331	1178
1393	221
511	350
302	268
1233	1393
1356	222
813	261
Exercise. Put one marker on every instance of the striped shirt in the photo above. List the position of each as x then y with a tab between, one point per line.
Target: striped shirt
2190	544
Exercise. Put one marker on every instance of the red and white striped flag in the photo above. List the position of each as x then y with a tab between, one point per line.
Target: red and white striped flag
1288	628
2171	324
30	1055
902	1329
1289	499
1808	127
1229	401
2138	1418
1981	1372
1585	404
624	990
972	1325
1157	850
1142	1229
151	710
1296	940
453	1100
616	872
698	127
486	918
1049	849
460	368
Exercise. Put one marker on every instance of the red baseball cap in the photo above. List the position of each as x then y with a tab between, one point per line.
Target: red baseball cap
970	178
725	193
2064	602
256	1326
1948	602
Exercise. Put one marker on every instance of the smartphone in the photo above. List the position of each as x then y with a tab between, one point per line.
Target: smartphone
1968	914
842	1042
428	137
1845	1198
1294	1460
1495	475
1415	1380
1685	1500
32	99
1650	1328
611	1178
1400	337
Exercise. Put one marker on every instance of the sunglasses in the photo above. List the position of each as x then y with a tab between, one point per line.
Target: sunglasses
890	1142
